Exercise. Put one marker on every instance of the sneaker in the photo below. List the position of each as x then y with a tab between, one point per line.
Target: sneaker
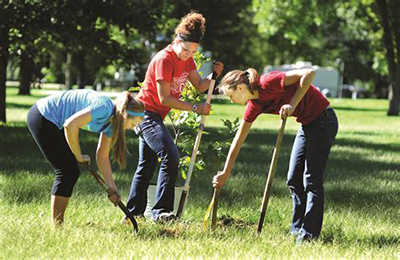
304	238
164	217
295	232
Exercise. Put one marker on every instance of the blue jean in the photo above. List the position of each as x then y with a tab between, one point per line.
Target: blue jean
155	142
309	156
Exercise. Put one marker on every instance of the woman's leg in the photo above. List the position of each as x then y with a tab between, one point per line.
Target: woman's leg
320	136
137	199
51	141
155	143
58	206
295	180
169	156
158	139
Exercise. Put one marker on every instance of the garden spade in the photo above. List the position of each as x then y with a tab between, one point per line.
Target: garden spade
271	173
195	149
212	207
121	205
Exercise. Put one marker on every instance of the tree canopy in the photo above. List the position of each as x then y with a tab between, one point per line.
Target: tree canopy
86	42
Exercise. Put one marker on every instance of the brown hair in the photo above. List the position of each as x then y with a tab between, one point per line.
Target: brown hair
192	26
234	78
125	101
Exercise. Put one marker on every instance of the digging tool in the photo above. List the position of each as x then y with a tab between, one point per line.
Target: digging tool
195	149
212	207
121	205
271	173
215	208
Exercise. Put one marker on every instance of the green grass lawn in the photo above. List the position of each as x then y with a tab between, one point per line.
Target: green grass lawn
362	187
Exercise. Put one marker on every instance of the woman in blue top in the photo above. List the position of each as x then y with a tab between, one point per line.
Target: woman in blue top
54	123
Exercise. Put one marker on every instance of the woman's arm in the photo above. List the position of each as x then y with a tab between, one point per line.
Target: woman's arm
164	94
71	129
200	84
104	165
305	76
220	179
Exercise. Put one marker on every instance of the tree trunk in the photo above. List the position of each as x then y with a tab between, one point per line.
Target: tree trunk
80	62
394	92
386	19
3	71
26	73
68	73
384	15
394	101
394	6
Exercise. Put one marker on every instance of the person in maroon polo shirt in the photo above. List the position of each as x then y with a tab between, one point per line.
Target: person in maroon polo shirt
288	94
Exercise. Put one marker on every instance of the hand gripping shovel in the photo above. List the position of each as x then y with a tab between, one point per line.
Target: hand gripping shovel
271	173
121	205
195	149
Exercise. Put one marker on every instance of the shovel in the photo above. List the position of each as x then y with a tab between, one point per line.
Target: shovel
271	173
195	149
121	205
212	207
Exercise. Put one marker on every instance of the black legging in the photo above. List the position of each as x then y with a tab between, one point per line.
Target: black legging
54	147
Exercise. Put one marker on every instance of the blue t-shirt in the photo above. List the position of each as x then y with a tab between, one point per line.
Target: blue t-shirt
59	107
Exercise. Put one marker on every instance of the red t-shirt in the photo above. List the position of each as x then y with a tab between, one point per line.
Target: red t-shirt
273	94
167	67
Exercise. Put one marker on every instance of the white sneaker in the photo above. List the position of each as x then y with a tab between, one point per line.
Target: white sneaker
165	217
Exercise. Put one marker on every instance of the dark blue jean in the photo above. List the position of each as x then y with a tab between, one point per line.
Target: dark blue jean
309	156
155	142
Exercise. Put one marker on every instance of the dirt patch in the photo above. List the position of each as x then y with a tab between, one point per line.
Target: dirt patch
226	221
169	232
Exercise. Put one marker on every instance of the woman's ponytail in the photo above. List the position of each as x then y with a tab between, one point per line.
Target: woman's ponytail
253	79
236	77
125	101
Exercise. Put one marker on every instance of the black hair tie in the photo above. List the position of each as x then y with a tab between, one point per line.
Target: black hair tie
191	37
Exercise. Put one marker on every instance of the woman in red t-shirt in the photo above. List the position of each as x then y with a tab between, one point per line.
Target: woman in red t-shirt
165	79
288	94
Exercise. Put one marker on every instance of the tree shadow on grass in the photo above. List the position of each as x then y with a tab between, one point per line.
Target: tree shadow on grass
331	234
27	176
357	109
20	156
19	151
11	105
342	170
376	147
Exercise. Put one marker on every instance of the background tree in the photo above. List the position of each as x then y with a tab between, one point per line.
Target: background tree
324	31
388	12
96	34
4	44
89	33
13	17
28	37
229	28
86	42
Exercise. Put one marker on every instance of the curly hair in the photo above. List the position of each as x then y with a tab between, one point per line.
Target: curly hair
191	25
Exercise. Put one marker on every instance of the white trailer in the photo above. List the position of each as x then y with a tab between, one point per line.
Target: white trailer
327	79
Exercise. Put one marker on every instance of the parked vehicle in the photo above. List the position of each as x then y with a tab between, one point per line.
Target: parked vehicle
327	79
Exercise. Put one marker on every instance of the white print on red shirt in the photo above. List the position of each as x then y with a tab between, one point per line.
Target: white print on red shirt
178	83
